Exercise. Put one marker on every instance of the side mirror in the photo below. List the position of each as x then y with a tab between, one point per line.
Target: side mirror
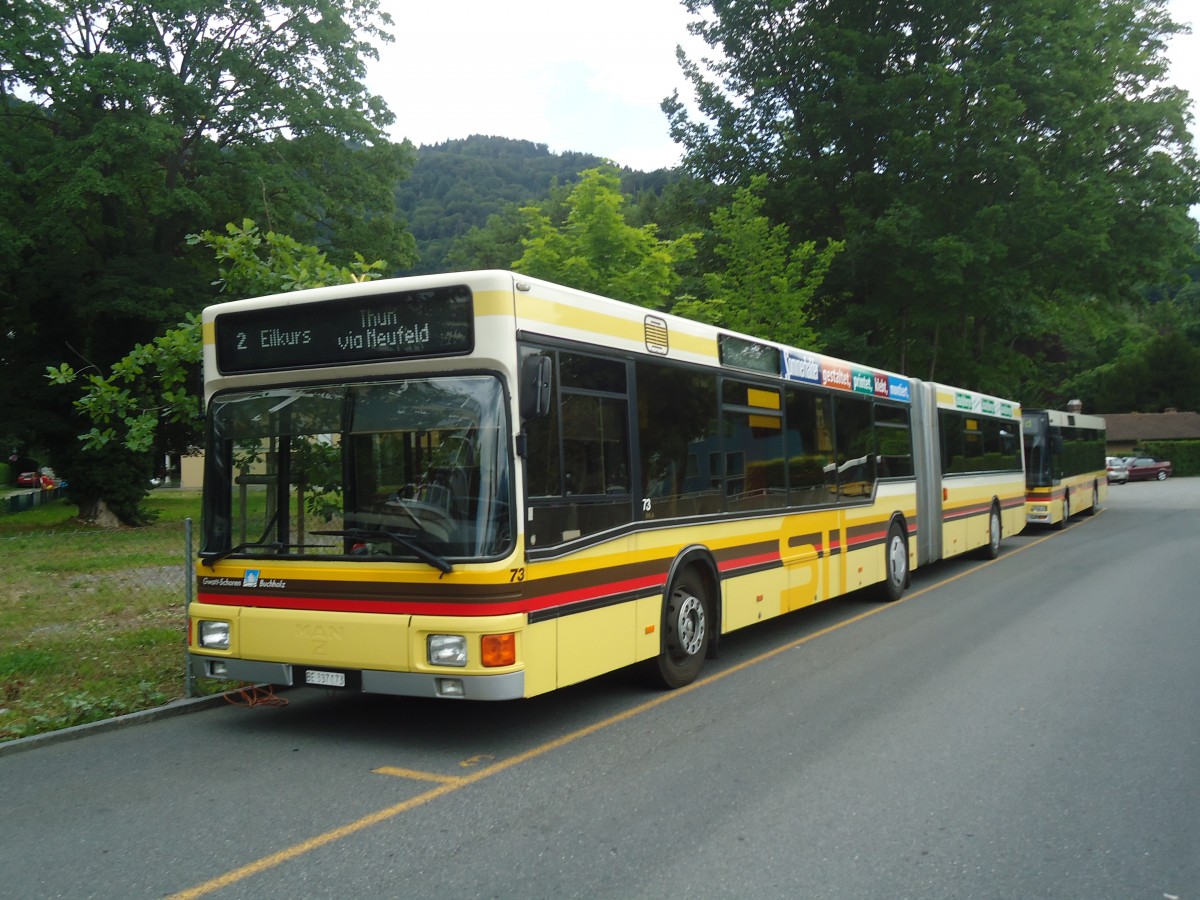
535	387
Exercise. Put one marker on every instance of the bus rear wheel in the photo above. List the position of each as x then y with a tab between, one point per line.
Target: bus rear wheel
896	564
687	624
995	534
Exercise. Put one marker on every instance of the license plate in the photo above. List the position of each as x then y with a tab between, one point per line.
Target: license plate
325	679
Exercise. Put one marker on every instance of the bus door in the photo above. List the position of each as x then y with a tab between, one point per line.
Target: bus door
800	544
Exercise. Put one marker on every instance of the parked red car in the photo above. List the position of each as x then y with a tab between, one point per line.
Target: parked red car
1145	468
43	479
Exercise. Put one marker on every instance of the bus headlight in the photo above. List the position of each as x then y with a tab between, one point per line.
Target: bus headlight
447	650
214	635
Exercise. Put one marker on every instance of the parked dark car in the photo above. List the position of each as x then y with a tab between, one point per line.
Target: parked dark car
1145	468
1118	472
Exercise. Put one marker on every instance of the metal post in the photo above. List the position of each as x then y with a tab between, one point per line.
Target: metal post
189	679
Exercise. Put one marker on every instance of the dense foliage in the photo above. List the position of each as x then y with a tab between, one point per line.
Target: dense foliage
463	197
764	284
996	171
126	125
460	184
146	400
1184	455
588	243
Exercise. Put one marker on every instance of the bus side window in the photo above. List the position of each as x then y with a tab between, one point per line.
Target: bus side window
577	467
894	437
682	460
752	425
808	446
856	451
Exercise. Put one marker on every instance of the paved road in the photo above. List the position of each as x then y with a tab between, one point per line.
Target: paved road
1024	728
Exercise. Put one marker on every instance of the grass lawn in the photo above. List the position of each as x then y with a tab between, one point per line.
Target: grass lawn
92	621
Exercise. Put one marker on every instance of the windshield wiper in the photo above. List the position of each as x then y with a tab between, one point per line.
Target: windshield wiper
213	558
421	552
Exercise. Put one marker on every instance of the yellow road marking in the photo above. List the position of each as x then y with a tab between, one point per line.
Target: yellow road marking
416	774
473	761
450	784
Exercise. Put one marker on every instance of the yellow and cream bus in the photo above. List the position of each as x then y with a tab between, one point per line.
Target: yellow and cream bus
487	486
1065	465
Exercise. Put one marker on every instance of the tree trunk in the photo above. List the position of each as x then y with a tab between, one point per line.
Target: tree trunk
99	514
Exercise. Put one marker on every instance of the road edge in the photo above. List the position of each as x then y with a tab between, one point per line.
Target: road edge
75	732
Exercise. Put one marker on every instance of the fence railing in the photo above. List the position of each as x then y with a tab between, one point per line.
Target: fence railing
24	500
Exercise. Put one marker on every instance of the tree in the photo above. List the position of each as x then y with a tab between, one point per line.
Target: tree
979	161
127	124
767	286
1151	360
458	186
1159	375
494	245
596	250
143	405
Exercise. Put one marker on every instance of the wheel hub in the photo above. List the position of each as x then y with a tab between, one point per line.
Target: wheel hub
689	624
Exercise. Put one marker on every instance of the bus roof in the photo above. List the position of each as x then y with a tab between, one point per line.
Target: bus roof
539	307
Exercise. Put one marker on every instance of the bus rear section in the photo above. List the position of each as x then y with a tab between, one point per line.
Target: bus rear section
971	486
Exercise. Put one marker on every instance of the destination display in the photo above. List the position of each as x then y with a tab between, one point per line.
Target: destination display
750	355
347	330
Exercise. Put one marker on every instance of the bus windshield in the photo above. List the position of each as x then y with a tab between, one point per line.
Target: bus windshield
1038	450
415	469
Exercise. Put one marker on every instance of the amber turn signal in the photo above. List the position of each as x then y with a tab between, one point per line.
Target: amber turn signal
499	649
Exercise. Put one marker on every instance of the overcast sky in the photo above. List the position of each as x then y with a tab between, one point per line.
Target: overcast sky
570	74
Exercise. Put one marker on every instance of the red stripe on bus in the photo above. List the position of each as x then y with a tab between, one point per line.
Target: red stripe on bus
433	607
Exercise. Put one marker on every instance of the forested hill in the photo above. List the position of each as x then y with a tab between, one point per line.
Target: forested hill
458	184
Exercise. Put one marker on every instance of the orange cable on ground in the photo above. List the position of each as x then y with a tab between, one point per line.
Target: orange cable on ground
255	695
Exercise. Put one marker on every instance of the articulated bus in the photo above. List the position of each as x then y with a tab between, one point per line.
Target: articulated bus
1065	465
485	486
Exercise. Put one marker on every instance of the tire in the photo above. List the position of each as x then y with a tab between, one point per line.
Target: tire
1162	476
895	561
1062	523
1091	510
995	534
686	630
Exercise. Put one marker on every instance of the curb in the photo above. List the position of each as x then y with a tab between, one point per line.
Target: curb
75	732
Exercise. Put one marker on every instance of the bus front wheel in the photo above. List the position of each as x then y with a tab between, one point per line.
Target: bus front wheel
687	624
1066	519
